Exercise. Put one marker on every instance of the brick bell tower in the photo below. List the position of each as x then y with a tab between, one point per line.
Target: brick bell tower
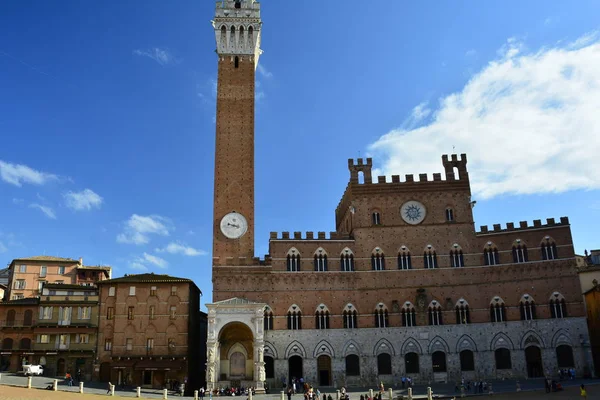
237	27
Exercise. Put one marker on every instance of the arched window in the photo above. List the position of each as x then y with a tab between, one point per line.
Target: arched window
350	317
238	3
435	313
404	261
378	260
25	344
268	319
457	259
564	356
408	314
411	363
438	361
294	318
232	39
463	316
322	317
527	308
7	344
558	306
519	251
352	365
497	310
467	361
490	254
320	260
548	248
237	62
376	218
293	260
28	318
502	357
384	364
449	214
347	260
381	316
10	317
430	258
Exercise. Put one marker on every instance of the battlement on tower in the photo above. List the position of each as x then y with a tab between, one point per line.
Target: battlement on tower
308	236
455	169
523	226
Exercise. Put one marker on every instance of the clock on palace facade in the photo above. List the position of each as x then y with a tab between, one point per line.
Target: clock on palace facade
413	212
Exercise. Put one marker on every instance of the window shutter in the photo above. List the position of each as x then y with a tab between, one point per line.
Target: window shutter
41	313
57	341
39	339
77	337
60	314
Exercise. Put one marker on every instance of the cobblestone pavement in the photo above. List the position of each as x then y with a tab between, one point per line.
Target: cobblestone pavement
16	386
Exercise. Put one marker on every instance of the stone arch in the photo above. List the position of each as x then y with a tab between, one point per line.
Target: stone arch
410	345
347	251
383	346
351	347
323	348
561	337
501	340
438	344
295	349
293	252
466	342
237	347
320	251
532	338
271	350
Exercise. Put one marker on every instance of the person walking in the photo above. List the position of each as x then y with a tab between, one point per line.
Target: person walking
583	392
109	387
69	379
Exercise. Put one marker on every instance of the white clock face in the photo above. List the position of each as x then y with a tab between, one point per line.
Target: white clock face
413	212
234	225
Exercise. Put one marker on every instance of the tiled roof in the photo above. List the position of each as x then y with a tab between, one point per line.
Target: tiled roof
66	286
151	277
46	258
235	300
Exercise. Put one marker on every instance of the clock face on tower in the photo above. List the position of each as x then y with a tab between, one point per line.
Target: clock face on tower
413	212
234	225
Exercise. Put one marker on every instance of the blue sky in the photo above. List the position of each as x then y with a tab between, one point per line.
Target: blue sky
107	118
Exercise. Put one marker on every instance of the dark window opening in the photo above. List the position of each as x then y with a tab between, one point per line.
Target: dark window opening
352	365
467	361
237	62
384	364
411	363
503	359
438	361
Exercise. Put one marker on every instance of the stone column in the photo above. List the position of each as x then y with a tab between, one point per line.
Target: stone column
259	366
211	372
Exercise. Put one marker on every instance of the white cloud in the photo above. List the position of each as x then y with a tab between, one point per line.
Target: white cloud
161	56
178	248
18	201
264	71
471	52
84	200
49	212
138	266
528	122
585	40
154	260
17	174
3	248
139	227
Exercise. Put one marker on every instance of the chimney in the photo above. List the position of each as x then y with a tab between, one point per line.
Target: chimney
81	261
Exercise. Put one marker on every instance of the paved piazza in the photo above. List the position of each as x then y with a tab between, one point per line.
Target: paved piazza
12	388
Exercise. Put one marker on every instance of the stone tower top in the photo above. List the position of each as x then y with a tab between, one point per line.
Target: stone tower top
237	26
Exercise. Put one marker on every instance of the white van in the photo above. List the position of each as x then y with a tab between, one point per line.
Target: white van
33	370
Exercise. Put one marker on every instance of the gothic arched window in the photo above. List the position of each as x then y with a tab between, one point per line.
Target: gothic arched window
548	248
347	260
519	251
268	319
350	317
320	260
463	317
378	260
490	255
497	310
527	308
457	259
430	258
558	306
294	318
381	316
435	313
293	260
408	315
404	260
322	317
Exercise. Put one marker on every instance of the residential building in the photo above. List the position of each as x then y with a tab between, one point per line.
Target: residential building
589	276
66	330
28	275
3	289
405	285
17	321
150	332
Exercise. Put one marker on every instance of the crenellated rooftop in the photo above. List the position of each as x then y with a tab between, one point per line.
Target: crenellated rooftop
309	236
524	225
